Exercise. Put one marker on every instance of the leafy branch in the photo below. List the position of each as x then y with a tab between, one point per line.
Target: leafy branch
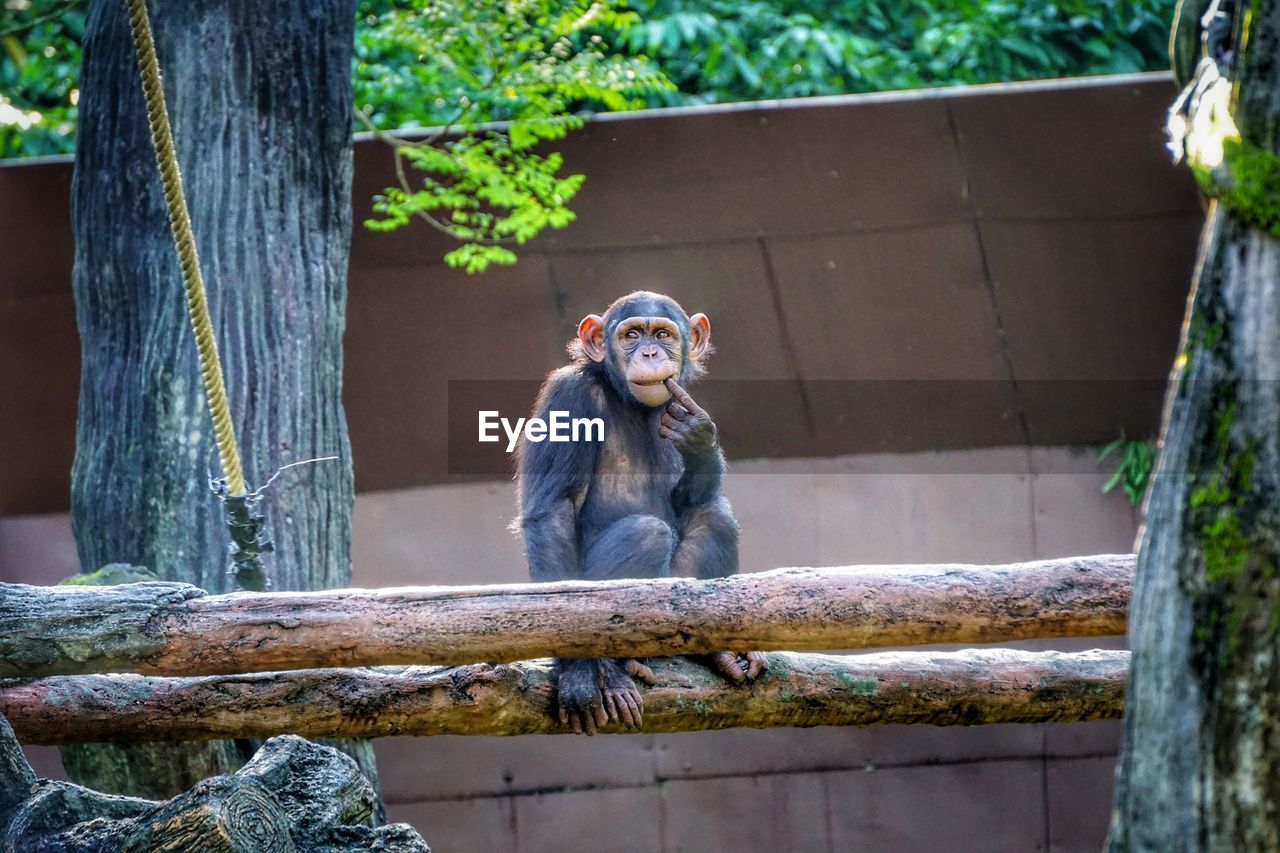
1132	473
503	79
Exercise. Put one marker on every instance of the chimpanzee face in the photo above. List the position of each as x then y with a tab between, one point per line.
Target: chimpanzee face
648	351
643	340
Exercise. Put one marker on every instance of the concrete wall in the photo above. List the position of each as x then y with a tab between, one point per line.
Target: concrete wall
892	788
910	271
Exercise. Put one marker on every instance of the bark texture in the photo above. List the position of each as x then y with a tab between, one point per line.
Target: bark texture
1200	769
292	796
969	687
260	104
167	629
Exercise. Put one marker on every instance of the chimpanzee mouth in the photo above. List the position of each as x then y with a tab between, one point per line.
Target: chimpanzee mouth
648	384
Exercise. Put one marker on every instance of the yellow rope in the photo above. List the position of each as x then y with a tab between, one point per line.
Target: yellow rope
215	388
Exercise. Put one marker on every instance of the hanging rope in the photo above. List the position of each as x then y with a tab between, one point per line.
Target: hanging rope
215	388
244	522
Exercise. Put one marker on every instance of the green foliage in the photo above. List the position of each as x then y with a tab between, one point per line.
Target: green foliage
39	66
1222	540
734	50
1225	487
1133	470
533	64
542	64
416	61
1253	191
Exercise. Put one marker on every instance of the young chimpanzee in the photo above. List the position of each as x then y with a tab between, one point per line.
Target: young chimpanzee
641	502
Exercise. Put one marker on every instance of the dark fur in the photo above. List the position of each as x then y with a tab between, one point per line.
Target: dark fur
632	506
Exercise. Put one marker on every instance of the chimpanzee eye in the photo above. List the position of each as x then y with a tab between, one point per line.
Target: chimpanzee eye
632	335
663	333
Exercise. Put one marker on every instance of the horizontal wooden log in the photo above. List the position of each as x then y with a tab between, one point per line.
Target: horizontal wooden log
175	629
968	687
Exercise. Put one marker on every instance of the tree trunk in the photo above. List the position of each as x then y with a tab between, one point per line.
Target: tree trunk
171	629
967	687
260	102
1200	769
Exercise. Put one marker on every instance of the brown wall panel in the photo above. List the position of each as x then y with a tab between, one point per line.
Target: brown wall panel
1073	297
36	247
903	305
412	329
1071	149
39	375
892	230
752	170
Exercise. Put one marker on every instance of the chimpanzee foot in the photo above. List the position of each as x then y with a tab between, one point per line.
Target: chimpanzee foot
636	669
623	702
578	696
739	668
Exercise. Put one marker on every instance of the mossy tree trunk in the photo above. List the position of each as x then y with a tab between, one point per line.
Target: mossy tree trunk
260	102
1200	769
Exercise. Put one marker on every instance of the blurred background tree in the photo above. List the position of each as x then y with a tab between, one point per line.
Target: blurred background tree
743	50
39	67
540	66
714	51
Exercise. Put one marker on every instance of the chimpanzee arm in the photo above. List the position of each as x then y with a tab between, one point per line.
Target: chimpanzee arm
693	432
699	485
552	477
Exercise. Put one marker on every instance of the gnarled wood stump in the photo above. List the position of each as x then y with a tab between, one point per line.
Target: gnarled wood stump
293	795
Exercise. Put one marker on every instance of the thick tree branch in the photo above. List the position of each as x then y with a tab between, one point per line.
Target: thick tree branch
969	687
172	629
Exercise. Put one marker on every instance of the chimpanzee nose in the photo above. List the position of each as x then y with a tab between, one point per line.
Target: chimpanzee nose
649	352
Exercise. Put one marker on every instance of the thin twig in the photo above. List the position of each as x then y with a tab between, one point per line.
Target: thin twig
56	12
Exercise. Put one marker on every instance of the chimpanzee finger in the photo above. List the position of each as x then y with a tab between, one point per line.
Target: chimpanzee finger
683	396
607	700
634	704
756	664
624	710
666	433
677	411
727	664
636	669
602	719
576	719
588	722
564	716
668	421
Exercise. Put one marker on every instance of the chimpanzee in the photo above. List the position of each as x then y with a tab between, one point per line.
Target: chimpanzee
641	502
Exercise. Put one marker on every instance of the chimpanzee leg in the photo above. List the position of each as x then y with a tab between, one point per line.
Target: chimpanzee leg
592	693
709	542
709	549
637	546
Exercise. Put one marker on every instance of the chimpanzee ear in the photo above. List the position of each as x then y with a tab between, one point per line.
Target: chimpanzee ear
699	335
591	334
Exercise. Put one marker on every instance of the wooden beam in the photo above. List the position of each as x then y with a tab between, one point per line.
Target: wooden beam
174	629
968	687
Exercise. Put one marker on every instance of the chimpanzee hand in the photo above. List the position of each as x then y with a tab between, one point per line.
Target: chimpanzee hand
578	695
740	667
591	694
622	701
686	425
